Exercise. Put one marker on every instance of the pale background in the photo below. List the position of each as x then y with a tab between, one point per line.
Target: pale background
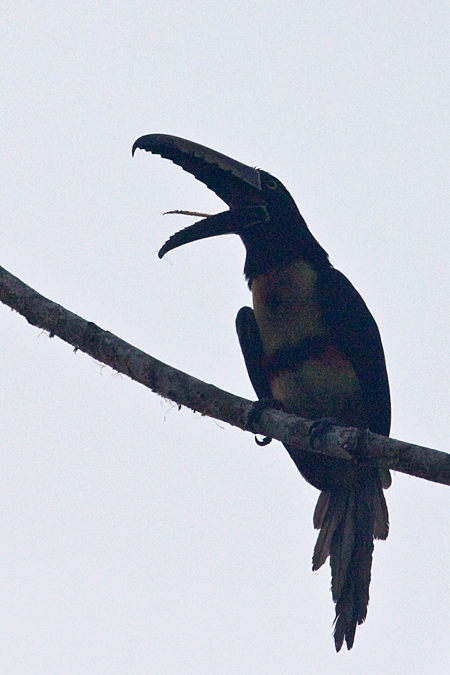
136	538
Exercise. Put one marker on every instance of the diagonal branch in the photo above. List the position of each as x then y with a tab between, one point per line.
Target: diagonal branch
207	399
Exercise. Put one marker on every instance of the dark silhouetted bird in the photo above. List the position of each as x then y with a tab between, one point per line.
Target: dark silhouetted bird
311	343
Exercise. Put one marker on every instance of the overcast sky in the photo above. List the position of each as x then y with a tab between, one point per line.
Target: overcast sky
139	539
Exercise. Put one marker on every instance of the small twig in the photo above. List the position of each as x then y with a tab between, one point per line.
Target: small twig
187	213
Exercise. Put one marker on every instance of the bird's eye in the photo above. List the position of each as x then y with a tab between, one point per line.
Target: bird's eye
272	184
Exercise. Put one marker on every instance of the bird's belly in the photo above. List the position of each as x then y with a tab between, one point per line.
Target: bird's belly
324	386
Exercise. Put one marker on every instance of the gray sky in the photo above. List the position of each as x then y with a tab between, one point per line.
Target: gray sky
136	538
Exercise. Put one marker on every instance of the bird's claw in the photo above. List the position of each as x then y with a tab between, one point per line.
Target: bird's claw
255	413
319	429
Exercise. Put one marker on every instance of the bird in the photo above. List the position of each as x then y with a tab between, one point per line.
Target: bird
311	344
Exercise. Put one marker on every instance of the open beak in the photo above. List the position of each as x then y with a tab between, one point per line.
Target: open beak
237	184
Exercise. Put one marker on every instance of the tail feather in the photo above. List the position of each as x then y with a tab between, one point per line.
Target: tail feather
349	520
342	548
330	521
321	510
381	515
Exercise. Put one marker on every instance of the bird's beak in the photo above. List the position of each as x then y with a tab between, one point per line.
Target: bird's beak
237	184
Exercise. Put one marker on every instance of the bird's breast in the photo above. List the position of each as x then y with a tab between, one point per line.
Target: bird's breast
286	305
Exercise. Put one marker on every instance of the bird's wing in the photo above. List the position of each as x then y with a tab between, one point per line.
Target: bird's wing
252	351
357	336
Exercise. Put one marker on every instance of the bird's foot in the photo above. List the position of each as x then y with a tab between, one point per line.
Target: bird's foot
319	429
255	413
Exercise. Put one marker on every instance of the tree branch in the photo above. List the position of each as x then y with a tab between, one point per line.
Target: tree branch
207	399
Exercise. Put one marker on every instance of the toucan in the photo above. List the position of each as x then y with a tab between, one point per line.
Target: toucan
311	344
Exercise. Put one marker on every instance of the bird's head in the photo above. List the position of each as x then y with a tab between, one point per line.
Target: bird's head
261	210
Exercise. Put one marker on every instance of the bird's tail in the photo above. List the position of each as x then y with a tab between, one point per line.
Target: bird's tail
349	519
